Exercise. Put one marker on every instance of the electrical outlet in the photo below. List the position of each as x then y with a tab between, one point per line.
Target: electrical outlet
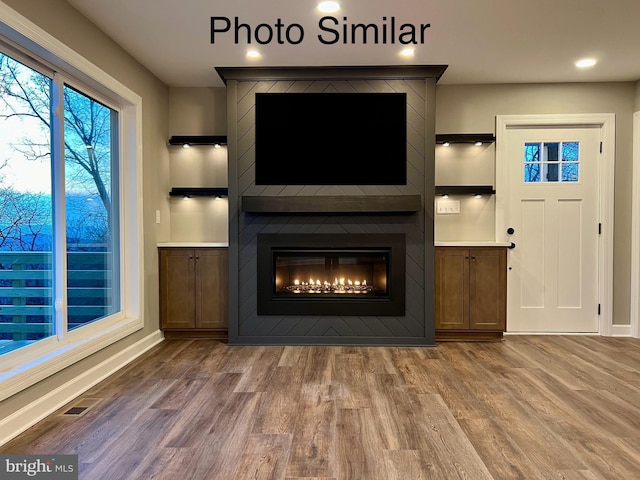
447	207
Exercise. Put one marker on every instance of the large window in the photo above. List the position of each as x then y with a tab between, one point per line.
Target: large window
29	196
70	206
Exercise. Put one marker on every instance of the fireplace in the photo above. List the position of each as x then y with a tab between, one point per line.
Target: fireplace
331	224
331	274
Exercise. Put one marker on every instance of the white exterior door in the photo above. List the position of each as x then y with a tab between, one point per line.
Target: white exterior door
552	207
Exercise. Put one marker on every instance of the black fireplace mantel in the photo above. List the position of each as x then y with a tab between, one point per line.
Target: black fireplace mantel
324	73
338	204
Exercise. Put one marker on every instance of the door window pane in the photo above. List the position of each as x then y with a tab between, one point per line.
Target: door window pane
551	162
550	153
26	219
91	208
532	163
570	161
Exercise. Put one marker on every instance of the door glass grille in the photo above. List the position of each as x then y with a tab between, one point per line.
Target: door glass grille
551	162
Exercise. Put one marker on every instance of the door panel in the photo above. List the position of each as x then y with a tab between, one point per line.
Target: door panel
487	287
570	224
177	288
212	291
451	285
531	244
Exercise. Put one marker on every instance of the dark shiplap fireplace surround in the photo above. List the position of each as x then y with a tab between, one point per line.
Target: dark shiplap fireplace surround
293	211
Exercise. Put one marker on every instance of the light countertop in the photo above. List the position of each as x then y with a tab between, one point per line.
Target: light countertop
460	243
471	243
194	244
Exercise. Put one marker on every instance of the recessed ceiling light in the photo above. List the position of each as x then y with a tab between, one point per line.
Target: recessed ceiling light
253	54
328	7
586	63
407	52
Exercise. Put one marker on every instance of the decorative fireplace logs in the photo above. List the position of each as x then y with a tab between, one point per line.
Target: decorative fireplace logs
339	286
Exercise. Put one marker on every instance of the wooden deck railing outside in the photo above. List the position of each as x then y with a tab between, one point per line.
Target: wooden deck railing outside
26	310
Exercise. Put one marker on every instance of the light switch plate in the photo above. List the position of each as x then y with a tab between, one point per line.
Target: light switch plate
447	207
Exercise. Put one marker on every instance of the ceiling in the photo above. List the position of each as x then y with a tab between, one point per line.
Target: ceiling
481	41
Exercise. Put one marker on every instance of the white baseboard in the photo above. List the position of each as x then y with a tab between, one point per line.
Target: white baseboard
616	331
552	333
620	330
30	414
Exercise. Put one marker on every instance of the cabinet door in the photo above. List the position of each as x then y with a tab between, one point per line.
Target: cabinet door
451	286
177	288
212	290
487	289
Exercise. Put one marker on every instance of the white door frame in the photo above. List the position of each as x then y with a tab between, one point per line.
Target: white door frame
606	123
635	230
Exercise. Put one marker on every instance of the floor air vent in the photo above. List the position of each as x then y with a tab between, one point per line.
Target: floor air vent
75	411
80	408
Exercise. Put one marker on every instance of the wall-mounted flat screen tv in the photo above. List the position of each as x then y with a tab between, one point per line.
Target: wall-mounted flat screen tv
331	139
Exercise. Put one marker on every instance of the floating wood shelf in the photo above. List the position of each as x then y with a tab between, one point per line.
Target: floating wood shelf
465	138
198	140
198	192
464	190
342	204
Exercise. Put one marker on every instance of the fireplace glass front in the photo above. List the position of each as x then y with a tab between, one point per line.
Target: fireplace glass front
348	273
332	274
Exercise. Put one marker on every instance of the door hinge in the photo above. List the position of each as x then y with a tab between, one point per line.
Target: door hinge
599	229
600	147
598	309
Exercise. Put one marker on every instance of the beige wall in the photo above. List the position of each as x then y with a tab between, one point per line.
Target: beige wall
59	19
473	109
198	111
465	164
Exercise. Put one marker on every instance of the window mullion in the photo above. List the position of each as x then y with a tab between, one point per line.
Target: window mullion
59	217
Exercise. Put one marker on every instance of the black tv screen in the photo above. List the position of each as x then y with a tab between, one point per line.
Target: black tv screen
331	139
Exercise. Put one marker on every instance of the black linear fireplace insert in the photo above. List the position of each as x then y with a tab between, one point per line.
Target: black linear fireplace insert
331	274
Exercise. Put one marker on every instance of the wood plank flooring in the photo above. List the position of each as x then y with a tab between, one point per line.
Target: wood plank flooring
528	407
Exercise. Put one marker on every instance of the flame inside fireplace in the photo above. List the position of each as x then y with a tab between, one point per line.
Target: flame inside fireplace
339	285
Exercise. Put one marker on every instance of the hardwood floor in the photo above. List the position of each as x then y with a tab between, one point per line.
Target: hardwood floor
529	407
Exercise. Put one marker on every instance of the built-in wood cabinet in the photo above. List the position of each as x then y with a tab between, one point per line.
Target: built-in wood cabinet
470	292
194	292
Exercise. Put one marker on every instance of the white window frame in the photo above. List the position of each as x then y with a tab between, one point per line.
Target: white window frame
28	365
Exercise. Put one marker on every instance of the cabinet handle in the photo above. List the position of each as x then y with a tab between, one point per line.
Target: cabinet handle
473	257
190	257
197	257
466	258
